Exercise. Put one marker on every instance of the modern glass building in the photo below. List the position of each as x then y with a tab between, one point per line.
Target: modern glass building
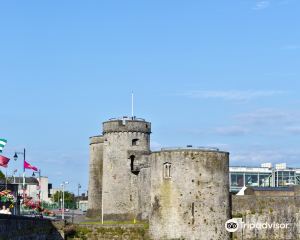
264	176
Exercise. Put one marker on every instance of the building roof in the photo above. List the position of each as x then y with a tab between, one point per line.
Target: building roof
273	189
250	169
28	180
190	148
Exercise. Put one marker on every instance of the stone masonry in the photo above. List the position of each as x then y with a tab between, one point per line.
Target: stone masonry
182	192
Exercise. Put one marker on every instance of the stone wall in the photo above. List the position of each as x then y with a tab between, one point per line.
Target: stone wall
121	168
193	203
95	177
144	193
24	228
106	232
267	209
126	125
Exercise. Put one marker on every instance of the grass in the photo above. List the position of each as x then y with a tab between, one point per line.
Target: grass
85	230
144	223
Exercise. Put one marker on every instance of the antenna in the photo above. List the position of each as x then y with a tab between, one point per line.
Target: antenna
132	105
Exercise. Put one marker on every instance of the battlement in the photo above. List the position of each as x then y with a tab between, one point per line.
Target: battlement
96	139
126	124
193	148
190	148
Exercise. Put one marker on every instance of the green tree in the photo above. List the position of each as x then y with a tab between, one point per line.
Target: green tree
2	176
69	198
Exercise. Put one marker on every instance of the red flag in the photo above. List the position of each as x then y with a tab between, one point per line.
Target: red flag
4	161
28	166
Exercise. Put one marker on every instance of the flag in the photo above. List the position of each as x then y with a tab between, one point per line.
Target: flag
28	166
4	161
2	144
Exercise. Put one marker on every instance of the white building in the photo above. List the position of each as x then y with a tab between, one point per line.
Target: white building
33	187
264	176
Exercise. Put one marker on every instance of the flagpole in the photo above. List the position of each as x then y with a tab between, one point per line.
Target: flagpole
24	175
6	178
132	115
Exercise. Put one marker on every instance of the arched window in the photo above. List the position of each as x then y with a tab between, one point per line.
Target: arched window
167	170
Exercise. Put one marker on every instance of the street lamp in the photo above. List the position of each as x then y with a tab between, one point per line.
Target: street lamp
15	158
63	199
79	186
33	174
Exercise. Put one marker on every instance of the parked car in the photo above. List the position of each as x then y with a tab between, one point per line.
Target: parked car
66	210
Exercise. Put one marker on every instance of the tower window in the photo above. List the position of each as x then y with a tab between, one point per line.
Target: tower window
135	142
167	170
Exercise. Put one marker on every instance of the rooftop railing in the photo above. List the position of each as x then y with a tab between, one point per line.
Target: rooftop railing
134	118
190	147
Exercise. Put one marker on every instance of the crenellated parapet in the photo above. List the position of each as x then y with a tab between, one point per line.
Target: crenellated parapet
126	124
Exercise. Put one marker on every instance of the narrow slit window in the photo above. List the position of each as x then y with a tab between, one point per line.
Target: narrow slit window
133	168
167	170
132	163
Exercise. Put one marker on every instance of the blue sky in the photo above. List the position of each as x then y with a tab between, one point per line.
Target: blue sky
206	73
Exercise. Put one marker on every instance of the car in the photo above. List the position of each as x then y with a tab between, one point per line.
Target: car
66	210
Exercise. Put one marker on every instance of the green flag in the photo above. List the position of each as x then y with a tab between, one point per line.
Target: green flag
2	144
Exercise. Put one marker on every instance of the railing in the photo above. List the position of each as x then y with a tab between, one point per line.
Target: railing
189	147
127	118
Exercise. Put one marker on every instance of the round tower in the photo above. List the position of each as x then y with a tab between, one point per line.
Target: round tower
126	143
95	177
189	194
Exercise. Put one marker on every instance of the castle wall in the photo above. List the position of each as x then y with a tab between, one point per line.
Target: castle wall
144	189
121	174
194	202
95	177
267	209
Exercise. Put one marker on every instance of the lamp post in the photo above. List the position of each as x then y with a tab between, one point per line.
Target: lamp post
79	186
63	200
15	158
39	172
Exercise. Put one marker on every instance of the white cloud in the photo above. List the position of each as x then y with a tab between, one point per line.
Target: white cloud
268	116
291	47
233	95
231	130
294	130
256	157
260	5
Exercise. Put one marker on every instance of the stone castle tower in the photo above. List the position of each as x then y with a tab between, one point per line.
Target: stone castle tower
182	192
189	194
117	158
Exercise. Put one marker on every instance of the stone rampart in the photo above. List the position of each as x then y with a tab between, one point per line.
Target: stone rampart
26	228
267	209
106	232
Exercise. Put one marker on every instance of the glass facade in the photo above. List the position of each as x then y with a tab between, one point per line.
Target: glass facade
262	177
298	178
284	178
251	179
265	180
237	179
